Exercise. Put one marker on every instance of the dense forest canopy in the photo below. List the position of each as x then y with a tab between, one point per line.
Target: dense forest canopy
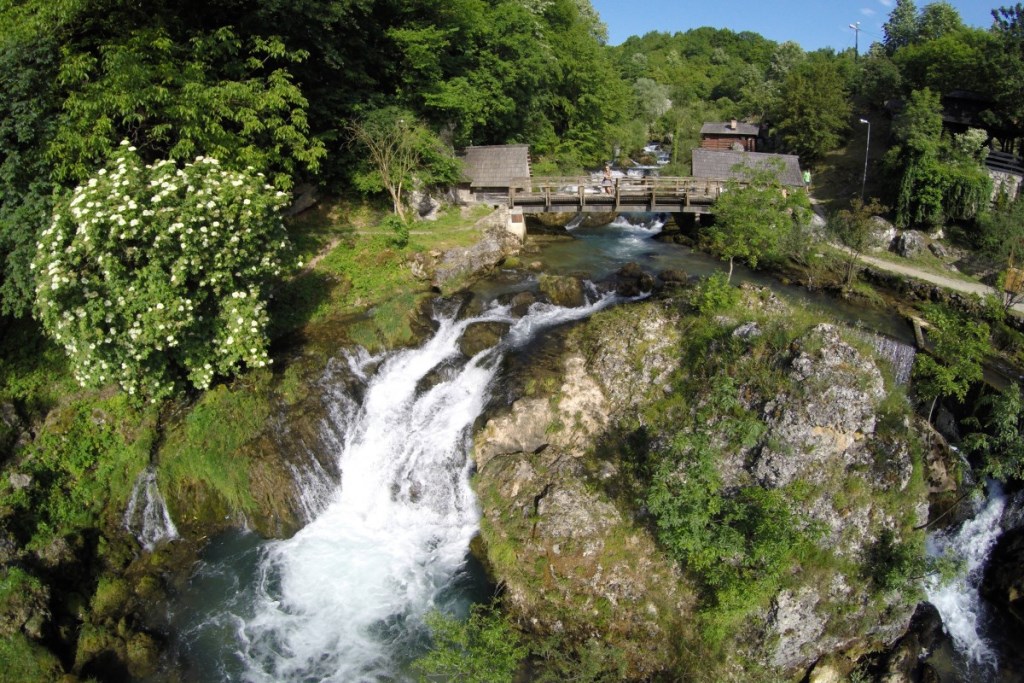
275	87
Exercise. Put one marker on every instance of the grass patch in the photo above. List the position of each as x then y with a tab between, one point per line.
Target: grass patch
204	451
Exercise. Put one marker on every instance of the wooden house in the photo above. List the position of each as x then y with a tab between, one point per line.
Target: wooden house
733	135
488	171
722	165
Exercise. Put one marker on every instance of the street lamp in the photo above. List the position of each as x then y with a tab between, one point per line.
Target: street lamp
856	39
867	150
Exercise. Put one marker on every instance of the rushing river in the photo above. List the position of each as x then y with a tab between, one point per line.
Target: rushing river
344	599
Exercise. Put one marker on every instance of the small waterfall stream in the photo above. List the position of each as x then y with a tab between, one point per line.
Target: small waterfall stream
146	516
900	356
343	599
958	601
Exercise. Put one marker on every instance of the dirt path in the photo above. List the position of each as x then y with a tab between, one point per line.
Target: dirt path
934	278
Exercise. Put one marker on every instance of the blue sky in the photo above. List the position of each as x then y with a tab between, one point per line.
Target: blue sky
811	23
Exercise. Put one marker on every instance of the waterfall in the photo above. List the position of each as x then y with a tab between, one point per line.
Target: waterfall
958	601
343	599
650	224
899	355
575	222
146	516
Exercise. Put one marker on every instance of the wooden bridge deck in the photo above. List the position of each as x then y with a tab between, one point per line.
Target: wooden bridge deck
585	194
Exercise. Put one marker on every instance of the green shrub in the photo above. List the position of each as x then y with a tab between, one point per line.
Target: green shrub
714	294
153	274
485	648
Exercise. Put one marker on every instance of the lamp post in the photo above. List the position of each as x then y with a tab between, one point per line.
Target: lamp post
856	39
867	150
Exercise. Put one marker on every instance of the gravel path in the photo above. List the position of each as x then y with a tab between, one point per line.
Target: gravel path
934	278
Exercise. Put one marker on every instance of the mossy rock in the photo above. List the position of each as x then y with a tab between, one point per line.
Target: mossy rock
480	336
23	660
562	290
110	599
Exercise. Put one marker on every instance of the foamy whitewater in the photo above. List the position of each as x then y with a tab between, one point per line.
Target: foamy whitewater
146	516
344	598
958	601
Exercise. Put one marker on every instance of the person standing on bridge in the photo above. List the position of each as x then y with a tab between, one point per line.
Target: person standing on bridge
606	182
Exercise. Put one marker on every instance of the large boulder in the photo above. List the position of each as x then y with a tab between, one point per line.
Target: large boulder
457	264
562	290
909	244
882	234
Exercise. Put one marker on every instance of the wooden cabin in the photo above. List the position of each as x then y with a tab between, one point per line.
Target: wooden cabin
488	171
721	165
734	136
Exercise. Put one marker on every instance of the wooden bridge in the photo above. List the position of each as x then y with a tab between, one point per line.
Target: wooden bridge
586	194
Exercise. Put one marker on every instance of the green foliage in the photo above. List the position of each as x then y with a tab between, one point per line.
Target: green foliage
813	111
485	648
714	293
1000	443
938	179
401	151
751	217
594	661
83	466
957	347
25	660
149	275
892	564
207	97
901	28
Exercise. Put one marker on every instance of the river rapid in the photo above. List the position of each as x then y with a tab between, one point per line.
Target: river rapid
344	599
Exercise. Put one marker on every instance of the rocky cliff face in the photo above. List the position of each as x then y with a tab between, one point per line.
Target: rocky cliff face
578	557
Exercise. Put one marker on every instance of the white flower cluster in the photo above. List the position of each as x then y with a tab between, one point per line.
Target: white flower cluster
151	273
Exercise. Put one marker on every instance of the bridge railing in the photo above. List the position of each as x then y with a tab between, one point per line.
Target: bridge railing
587	188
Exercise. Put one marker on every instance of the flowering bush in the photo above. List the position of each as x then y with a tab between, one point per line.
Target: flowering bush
152	274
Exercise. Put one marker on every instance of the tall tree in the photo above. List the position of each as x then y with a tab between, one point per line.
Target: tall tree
853	228
752	215
814	109
938	19
901	28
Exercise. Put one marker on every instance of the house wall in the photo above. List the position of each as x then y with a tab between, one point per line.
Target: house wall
725	142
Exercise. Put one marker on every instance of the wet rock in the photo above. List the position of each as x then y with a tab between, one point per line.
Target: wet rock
522	430
631	280
521	302
562	290
673	277
1003	582
909	244
480	336
903	662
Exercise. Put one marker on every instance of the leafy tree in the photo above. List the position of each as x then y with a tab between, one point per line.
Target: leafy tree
1001	441
814	109
485	648
1001	238
853	228
154	274
880	78
915	158
1007	59
401	151
652	100
901	28
751	216
938	19
176	101
957	347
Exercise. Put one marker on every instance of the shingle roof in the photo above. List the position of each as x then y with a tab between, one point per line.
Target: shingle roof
495	165
711	163
723	128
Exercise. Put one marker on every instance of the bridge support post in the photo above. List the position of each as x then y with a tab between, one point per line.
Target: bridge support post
516	223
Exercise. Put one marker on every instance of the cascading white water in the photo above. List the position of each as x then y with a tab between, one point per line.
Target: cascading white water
146	516
958	601
343	599
900	355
